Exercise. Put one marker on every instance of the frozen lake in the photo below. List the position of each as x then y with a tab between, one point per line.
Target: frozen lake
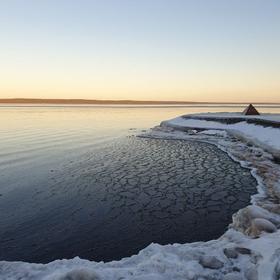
74	181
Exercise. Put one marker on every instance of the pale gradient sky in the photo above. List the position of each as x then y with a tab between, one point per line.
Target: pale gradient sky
196	50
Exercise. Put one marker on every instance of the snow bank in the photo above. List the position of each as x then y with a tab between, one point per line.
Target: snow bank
249	249
267	117
233	256
265	137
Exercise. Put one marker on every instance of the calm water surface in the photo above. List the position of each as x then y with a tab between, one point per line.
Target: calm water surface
74	181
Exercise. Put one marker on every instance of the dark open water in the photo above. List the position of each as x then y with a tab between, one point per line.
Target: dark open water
74	181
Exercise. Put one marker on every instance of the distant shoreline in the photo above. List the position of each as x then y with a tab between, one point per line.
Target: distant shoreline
116	102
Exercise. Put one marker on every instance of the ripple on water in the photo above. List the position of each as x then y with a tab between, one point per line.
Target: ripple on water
112	203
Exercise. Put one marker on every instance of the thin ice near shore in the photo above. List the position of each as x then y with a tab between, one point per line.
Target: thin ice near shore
249	249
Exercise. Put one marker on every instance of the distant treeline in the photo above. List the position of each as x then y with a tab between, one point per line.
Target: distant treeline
87	101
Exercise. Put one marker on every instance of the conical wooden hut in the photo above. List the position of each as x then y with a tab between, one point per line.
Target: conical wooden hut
250	110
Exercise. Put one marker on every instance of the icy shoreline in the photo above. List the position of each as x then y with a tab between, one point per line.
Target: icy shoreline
249	249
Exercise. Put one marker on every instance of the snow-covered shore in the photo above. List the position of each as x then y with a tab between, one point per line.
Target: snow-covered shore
249	249
233	256
265	136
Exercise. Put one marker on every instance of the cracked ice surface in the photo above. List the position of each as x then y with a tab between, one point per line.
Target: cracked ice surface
109	205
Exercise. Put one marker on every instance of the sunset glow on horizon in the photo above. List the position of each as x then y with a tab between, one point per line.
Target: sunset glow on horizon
197	50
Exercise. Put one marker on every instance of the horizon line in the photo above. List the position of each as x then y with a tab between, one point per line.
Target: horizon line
109	101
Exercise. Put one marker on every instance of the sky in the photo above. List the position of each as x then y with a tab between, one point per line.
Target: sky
184	50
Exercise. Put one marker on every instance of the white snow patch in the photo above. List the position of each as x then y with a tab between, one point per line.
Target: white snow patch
267	137
214	132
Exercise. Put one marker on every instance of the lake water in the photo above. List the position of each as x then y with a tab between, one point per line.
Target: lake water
75	181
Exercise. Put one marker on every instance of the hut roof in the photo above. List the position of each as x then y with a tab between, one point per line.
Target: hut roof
250	110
